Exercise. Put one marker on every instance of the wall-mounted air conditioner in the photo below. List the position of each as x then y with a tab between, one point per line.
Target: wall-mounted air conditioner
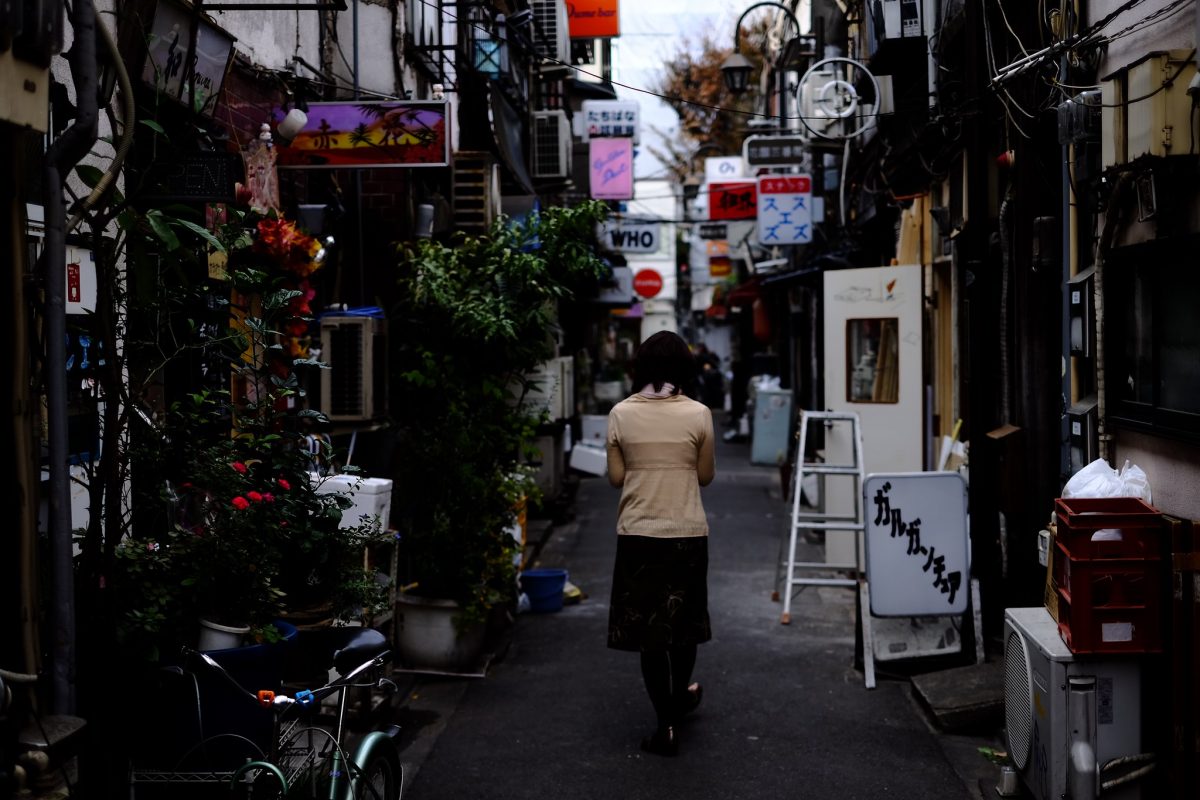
551	144
555	41
354	384
1072	723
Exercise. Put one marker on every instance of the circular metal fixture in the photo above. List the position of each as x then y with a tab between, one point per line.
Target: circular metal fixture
830	98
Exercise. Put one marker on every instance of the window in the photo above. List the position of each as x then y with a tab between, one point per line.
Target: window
873	360
1152	339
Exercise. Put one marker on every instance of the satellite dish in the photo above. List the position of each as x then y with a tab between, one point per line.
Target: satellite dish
831	106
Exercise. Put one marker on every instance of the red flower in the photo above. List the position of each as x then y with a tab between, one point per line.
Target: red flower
239	467
267	497
255	496
240	503
283	484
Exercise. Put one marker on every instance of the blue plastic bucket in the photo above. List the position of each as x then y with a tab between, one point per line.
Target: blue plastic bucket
544	588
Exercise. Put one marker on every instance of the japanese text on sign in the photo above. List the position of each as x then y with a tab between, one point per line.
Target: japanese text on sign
610	118
917	543
731	201
785	209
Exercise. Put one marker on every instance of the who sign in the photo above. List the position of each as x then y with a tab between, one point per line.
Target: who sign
629	234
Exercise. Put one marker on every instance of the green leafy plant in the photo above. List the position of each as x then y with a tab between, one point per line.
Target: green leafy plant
474	323
234	527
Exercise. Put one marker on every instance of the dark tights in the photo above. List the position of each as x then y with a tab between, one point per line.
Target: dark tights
668	673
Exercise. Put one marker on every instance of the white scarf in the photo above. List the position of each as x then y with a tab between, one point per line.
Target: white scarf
648	390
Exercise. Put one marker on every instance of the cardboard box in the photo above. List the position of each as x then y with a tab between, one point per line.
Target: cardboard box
589	459
1050	594
371	496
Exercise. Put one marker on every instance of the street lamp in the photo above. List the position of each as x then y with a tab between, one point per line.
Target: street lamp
737	68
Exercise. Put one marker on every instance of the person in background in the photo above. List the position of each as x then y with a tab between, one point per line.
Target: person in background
711	382
660	452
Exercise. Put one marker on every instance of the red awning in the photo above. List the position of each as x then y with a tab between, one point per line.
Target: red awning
744	294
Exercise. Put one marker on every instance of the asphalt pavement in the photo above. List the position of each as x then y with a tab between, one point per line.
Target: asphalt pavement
785	712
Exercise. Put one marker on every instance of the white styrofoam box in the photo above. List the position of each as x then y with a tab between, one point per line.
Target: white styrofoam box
371	496
593	460
593	429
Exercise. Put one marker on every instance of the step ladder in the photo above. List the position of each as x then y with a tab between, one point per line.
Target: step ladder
850	525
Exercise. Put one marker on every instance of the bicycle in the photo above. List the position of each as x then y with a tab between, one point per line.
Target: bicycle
300	758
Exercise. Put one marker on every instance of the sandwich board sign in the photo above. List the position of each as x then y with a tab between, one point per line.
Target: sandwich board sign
917	547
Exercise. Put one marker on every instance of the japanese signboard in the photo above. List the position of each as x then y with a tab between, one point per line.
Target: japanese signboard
713	230
593	19
630	234
917	548
406	133
610	164
731	200
609	118
774	151
720	169
719	265
784	209
196	84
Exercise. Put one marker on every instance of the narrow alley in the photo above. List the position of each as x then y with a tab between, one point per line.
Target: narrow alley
785	713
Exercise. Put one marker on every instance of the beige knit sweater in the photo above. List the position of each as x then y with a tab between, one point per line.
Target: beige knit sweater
660	452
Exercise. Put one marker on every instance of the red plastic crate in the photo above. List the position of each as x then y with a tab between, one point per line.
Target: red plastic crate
1143	530
1109	582
1130	629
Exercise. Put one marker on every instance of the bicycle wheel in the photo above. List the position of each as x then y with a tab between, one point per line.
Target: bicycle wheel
381	777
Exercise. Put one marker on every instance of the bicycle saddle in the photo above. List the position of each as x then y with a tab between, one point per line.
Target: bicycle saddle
342	648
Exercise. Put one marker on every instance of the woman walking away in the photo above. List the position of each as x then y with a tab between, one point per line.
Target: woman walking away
660	452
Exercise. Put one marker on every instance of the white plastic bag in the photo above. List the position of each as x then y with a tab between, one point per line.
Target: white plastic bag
1098	479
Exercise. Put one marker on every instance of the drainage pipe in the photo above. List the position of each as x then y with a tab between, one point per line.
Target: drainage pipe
61	157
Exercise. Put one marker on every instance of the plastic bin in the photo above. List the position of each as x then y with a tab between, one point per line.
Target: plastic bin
544	587
1131	527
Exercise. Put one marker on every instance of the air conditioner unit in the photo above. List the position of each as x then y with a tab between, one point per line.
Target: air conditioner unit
354	384
555	42
551	144
1072	723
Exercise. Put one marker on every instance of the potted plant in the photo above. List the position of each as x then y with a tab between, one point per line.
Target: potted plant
243	534
473	323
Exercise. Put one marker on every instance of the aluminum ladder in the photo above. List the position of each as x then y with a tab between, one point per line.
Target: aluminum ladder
820	520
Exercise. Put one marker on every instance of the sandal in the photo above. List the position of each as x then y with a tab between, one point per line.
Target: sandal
695	693
663	742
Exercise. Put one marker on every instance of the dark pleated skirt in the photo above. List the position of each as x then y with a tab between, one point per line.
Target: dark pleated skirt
660	593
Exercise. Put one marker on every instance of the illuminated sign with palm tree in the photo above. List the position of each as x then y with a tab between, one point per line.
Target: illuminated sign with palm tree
369	134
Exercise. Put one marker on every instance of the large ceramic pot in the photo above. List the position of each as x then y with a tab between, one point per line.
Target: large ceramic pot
427	638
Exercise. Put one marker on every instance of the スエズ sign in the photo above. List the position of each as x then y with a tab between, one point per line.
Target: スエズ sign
784	209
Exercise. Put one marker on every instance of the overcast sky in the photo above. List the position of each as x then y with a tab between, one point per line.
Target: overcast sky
651	31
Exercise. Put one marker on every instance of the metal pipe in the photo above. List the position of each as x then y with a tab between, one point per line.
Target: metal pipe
1082	770
63	154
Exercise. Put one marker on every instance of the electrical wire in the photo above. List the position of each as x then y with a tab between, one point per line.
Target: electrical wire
660	95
